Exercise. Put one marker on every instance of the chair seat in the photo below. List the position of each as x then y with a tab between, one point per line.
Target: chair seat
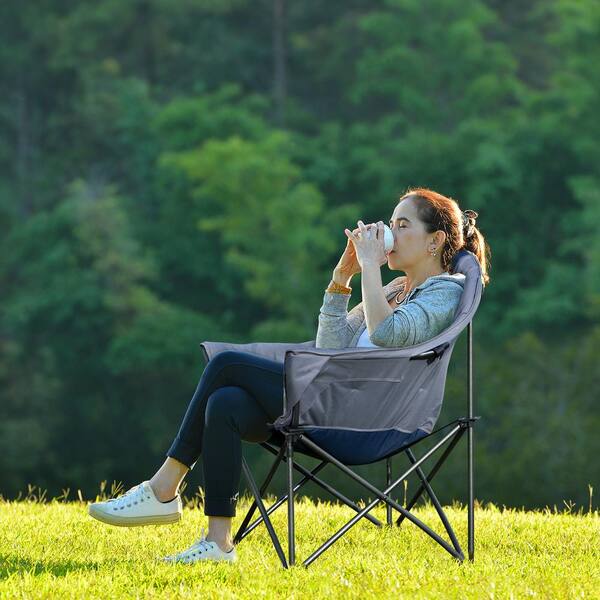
355	447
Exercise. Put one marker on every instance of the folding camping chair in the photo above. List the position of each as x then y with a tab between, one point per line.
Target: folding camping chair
356	406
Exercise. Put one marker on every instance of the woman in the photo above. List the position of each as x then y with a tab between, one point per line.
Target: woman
240	393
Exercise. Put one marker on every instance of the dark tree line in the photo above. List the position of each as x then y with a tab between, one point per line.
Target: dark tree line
178	172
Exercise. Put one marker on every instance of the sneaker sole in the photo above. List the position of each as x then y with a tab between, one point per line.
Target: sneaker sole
133	521
194	562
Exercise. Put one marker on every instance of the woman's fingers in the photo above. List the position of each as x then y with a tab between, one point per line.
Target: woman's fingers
368	231
362	229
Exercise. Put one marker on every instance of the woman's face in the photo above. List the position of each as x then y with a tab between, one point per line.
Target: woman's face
411	242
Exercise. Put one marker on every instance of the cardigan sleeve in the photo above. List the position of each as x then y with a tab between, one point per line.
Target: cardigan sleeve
337	326
420	319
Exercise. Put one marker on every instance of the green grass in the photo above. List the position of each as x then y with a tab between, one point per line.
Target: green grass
55	550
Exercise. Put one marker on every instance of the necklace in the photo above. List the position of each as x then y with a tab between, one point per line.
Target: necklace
403	287
398	296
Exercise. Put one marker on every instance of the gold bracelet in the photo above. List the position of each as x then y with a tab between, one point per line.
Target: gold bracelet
338	288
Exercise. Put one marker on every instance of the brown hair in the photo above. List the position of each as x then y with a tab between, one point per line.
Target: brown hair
441	212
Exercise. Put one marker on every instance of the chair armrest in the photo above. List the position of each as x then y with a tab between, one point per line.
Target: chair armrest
417	352
271	350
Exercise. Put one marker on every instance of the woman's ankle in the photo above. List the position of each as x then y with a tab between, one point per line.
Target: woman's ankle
163	493
166	481
219	531
224	544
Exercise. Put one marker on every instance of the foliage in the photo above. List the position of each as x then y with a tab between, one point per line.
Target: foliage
155	192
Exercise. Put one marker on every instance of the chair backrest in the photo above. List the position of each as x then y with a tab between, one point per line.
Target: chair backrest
331	385
464	262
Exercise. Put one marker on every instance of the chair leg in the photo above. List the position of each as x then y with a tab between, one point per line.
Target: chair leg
436	503
470	440
328	488
246	529
381	496
388	481
290	475
471	509
263	512
431	475
242	533
242	529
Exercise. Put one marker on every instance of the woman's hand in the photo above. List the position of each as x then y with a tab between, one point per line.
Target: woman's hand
348	264
368	243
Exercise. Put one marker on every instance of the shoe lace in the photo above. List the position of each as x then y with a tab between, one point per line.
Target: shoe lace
198	546
202	544
136	490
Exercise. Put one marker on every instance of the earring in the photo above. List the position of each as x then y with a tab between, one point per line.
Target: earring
434	253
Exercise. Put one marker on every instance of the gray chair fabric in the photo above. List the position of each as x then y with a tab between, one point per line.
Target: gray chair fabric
368	389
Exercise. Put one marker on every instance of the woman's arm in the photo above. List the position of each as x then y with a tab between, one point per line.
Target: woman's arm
376	305
337	326
420	319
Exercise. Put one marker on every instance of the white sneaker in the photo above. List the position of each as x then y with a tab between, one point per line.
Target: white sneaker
137	506
202	550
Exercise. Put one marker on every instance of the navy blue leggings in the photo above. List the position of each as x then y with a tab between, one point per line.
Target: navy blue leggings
238	394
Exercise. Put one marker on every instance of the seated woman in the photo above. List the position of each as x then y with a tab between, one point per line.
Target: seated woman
240	393
428	230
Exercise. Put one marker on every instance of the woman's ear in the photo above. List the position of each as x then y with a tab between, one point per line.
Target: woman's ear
439	238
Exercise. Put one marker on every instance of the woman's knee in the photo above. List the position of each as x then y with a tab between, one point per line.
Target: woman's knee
223	403
234	407
216	366
222	359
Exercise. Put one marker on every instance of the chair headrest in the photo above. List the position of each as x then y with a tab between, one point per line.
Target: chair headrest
466	262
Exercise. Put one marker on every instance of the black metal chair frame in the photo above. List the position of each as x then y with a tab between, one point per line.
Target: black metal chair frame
285	453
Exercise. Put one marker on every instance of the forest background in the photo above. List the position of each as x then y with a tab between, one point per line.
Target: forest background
179	171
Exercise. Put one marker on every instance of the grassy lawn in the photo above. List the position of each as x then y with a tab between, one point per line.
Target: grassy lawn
55	550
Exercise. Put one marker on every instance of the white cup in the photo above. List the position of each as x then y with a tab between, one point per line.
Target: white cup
388	238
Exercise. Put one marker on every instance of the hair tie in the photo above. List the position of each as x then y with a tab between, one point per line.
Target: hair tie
468	219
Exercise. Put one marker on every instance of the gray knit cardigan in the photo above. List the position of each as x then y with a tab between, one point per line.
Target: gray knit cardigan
428	310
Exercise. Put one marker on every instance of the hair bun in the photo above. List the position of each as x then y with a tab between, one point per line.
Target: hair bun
469	216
